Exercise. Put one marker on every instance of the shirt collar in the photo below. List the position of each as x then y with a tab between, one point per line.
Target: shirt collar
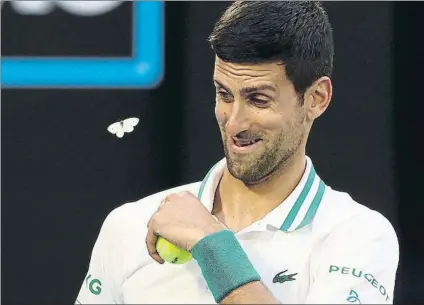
296	211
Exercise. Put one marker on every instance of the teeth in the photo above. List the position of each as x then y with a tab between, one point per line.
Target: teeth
243	144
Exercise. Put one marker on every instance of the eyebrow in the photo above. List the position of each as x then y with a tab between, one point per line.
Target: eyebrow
256	88
247	90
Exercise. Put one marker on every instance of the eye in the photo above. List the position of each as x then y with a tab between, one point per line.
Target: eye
260	102
225	96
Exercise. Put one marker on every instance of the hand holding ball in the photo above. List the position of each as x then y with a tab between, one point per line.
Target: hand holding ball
171	253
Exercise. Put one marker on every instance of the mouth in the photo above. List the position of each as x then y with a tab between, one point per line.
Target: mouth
244	146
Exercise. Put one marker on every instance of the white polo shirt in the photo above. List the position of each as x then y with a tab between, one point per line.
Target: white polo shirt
318	246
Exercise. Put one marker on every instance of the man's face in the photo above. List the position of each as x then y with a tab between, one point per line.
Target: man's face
261	119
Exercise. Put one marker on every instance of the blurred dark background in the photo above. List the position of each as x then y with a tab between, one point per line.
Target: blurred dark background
62	172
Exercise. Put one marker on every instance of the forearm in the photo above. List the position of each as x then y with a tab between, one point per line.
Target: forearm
230	275
250	293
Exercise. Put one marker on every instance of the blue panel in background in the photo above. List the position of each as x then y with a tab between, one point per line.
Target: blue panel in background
143	70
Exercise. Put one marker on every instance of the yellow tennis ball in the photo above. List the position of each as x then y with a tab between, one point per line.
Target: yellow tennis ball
171	253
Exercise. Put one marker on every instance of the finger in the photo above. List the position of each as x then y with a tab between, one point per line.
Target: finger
151	239
149	223
165	200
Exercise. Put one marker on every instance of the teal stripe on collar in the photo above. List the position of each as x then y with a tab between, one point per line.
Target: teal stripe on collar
298	204
314	205
205	180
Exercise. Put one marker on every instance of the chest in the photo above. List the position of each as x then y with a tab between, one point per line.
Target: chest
283	264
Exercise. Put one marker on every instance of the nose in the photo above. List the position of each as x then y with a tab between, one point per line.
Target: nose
238	120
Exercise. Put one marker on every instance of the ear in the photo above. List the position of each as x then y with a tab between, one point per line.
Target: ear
317	97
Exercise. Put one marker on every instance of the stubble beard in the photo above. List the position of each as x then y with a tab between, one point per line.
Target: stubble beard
255	168
276	157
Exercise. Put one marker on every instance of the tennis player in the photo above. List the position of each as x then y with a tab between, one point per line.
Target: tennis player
262	226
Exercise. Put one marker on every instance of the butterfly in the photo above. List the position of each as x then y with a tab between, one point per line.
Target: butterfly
121	127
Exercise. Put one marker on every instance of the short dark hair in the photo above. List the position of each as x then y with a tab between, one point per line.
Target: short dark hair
295	32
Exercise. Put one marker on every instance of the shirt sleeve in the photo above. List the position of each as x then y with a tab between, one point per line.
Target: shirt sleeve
98	286
357	264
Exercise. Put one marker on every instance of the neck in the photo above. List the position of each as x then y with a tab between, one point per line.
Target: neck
238	205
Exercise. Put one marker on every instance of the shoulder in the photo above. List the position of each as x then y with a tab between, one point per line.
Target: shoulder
137	214
121	241
340	216
120	247
350	238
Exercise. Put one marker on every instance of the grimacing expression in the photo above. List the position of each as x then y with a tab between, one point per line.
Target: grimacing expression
262	121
